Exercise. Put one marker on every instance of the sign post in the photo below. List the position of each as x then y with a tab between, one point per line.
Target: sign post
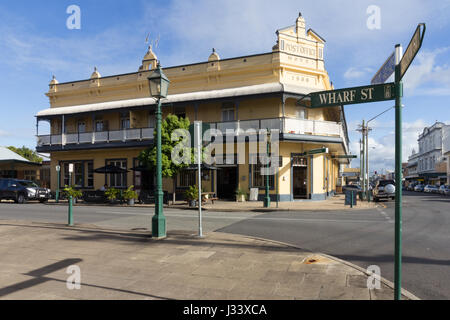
58	176
198	145
382	92
402	65
70	215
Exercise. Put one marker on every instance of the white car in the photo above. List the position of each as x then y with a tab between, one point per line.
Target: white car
430	188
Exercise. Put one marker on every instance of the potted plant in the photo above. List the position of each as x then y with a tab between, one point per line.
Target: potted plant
71	192
112	194
191	195
130	195
241	195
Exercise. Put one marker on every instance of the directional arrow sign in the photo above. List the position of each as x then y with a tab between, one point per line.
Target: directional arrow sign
413	48
373	93
385	71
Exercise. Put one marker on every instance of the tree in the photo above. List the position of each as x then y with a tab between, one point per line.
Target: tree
169	168
27	154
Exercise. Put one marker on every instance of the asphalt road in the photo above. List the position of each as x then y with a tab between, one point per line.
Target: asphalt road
367	238
364	237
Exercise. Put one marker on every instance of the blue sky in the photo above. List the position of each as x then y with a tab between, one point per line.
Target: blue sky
35	44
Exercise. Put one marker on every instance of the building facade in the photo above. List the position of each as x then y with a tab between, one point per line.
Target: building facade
15	166
110	120
429	164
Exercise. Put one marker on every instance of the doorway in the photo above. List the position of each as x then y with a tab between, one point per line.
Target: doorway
299	177
227	182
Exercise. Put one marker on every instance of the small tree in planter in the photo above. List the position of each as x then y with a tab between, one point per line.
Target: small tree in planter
191	195
130	195
112	194
71	192
241	195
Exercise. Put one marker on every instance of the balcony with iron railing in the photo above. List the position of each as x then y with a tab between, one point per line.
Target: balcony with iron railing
138	136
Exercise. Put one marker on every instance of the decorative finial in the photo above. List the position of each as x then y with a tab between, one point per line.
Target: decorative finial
214	49
299	14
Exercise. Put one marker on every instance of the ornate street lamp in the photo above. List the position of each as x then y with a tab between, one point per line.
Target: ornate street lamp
159	86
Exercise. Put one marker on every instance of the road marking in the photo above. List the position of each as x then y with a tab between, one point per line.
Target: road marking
385	215
191	216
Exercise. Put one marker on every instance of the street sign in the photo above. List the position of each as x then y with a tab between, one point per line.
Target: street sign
372	93
385	71
314	151
413	47
350	156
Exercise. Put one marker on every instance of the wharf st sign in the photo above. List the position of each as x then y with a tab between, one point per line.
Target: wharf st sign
365	94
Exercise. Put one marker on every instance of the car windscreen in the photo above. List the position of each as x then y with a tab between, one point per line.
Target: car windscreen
28	184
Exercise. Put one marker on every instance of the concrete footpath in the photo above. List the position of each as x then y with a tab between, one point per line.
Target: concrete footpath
334	203
36	258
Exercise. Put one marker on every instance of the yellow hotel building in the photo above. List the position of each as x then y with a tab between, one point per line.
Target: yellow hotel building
110	120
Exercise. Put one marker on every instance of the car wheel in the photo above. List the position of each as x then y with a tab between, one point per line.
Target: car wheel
20	199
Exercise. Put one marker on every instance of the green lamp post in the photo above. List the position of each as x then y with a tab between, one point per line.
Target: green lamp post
58	173
159	86
267	195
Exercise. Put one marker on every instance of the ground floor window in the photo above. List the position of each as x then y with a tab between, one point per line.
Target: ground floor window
29	175
82	176
11	174
118	180
258	180
187	178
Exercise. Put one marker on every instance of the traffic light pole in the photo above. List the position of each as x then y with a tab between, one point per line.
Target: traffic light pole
398	174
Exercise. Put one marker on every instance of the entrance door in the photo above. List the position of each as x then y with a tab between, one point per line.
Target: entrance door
227	182
300	177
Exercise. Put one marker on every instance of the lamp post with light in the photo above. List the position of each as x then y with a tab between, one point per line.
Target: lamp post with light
159	87
58	174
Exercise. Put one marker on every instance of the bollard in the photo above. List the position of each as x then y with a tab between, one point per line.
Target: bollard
351	201
70	212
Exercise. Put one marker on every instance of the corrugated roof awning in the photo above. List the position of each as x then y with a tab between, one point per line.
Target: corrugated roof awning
268	88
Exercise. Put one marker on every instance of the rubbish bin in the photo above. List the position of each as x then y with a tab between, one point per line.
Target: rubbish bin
351	198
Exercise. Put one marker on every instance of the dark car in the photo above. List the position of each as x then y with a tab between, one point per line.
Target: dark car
384	189
351	187
22	190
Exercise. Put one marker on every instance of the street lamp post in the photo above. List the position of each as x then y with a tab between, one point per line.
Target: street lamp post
70	213
58	176
267	195
159	86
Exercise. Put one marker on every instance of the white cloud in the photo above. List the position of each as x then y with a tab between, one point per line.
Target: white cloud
382	148
4	133
354	73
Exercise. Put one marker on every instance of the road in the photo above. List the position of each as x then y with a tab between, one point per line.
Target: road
363	237
367	238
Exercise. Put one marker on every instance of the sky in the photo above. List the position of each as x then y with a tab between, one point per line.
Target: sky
35	44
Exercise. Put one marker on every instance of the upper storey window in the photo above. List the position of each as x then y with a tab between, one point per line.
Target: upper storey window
228	111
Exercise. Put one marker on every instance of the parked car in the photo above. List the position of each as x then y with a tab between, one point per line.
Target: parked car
22	190
419	188
351	187
384	189
411	186
429	188
443	188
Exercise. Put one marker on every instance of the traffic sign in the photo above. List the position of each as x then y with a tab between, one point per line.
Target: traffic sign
413	47
372	93
385	71
350	156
